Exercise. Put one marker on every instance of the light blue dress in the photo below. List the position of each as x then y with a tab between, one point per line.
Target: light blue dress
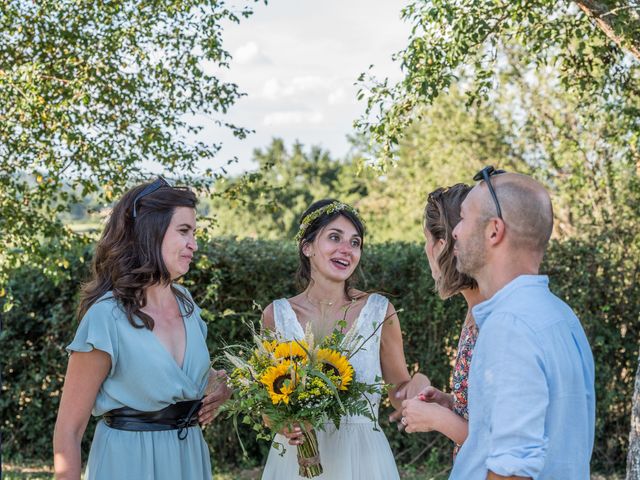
144	376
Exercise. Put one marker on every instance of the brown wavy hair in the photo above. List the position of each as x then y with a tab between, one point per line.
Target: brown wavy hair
128	256
303	275
441	215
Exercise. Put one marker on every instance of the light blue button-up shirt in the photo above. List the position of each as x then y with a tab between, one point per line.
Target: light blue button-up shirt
531	388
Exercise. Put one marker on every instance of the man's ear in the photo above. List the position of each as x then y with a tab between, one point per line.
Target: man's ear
495	231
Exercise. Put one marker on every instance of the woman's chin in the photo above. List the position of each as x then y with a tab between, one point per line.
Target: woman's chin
340	276
175	275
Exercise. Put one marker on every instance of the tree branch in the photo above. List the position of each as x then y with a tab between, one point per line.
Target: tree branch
607	21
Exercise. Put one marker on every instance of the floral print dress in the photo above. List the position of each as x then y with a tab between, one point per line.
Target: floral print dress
461	372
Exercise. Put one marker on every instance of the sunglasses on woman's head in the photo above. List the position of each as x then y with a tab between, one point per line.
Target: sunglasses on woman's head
149	189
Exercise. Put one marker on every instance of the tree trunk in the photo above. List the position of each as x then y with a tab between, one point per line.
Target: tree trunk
608	21
633	459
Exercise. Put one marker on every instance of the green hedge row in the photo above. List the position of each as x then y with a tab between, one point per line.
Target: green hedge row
232	279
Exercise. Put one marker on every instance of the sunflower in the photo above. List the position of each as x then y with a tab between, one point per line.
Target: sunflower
269	345
281	381
293	350
336	365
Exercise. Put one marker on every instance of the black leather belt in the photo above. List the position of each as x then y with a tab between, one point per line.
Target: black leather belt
179	416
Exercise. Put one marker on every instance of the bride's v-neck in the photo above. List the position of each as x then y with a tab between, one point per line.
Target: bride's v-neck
348	331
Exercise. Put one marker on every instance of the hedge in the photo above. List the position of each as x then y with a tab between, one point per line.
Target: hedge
233	279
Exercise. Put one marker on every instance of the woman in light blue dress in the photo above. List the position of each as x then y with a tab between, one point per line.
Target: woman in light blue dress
139	358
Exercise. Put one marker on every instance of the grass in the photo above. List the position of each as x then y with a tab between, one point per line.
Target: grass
45	472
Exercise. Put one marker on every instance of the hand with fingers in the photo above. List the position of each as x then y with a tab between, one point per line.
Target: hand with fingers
216	393
433	395
421	416
429	394
418	383
294	434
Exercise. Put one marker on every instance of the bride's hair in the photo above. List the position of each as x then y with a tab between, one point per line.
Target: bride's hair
441	215
309	233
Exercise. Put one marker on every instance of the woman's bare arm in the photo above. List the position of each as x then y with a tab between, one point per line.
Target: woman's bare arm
85	373
393	363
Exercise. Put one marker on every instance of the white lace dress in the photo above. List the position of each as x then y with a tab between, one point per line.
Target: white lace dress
356	451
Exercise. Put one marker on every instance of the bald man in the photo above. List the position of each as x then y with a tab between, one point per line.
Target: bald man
531	384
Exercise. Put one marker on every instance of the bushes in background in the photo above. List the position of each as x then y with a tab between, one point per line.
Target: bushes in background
233	279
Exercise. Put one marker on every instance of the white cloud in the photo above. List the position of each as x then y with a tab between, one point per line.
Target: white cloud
249	53
294	117
272	89
336	97
309	85
297	63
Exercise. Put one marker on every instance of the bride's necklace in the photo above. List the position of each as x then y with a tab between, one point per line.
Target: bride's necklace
320	303
324	303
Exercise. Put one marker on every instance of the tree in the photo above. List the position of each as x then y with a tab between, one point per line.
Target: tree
526	126
448	145
465	39
589	52
619	20
93	95
269	202
586	154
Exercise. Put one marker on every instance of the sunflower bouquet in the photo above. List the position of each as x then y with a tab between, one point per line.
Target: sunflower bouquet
279	383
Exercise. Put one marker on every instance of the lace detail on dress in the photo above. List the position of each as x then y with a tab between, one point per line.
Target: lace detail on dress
361	336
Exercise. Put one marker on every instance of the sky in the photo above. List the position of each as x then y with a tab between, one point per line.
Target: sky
297	61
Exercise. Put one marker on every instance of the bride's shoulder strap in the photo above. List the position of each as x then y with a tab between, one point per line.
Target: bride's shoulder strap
373	313
280	314
284	318
379	304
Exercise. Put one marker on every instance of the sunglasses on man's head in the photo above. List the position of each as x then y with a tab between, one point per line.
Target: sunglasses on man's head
485	174
148	190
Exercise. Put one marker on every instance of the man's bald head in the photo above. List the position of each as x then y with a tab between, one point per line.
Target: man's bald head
526	209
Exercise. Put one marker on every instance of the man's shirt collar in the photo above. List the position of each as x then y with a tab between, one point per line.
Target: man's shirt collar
482	311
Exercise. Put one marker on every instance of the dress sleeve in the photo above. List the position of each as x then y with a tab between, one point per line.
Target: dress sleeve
97	330
514	374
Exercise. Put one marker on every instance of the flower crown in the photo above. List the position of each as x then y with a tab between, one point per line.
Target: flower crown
329	209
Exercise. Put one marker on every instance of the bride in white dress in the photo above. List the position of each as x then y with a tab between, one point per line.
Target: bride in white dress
330	244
